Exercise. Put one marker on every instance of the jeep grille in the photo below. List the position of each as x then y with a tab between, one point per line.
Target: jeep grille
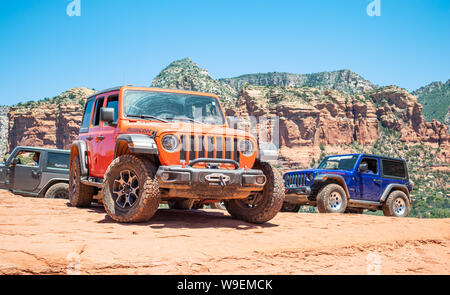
201	146
297	179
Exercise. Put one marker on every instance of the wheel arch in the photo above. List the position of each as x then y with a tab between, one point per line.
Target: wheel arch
325	179
394	187
79	149
50	183
135	144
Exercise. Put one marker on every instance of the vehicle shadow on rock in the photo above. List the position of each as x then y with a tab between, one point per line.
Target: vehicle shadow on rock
172	218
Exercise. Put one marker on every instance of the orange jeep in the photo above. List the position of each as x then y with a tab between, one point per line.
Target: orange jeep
141	146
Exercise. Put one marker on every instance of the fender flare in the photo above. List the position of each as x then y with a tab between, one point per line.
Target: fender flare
394	186
340	180
137	144
50	183
81	148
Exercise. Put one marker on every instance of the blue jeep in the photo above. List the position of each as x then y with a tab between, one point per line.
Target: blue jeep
350	184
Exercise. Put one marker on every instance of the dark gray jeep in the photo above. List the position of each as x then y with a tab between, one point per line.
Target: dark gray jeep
38	172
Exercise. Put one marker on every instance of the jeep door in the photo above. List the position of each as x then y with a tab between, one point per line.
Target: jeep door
370	184
26	173
95	139
108	134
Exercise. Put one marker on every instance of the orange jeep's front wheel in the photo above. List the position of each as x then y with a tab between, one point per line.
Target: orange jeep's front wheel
261	206
130	190
80	195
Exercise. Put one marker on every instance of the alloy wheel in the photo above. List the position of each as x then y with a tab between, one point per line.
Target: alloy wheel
126	189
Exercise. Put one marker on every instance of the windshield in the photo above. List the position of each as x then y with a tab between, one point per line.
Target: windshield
165	106
339	162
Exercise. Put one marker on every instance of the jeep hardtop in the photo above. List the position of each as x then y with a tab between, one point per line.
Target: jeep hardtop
351	183
140	146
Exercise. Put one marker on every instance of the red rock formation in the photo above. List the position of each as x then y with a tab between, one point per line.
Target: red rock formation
54	123
310	118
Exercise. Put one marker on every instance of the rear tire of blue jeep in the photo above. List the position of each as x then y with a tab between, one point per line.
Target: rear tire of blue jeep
130	190
331	199
396	205
264	205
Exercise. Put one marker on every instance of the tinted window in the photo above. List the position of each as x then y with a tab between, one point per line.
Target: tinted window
394	168
58	160
98	106
87	116
372	165
113	102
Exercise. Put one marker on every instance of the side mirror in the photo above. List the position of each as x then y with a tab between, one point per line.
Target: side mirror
107	115
363	168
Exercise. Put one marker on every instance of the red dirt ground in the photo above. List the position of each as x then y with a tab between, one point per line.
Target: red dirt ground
43	236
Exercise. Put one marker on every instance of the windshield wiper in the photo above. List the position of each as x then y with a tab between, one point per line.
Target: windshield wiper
148	117
186	119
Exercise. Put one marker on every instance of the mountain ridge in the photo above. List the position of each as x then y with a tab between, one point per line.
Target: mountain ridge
343	80
435	99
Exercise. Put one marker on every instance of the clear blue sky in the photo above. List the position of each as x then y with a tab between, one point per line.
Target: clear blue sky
43	51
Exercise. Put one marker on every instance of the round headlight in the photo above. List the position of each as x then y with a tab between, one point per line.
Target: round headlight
246	147
310	176
170	143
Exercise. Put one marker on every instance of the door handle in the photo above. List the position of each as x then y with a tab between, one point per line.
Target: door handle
377	181
36	173
101	137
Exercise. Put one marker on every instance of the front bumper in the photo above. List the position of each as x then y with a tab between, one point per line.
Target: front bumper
298	195
209	183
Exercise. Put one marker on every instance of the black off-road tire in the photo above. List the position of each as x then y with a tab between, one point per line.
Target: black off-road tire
181	204
389	204
80	195
146	203
269	201
58	191
354	210
324	199
293	208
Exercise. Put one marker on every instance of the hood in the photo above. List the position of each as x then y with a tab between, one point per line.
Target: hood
323	171
142	126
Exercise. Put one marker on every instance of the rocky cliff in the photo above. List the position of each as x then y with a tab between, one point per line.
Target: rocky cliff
343	80
47	123
311	119
4	126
